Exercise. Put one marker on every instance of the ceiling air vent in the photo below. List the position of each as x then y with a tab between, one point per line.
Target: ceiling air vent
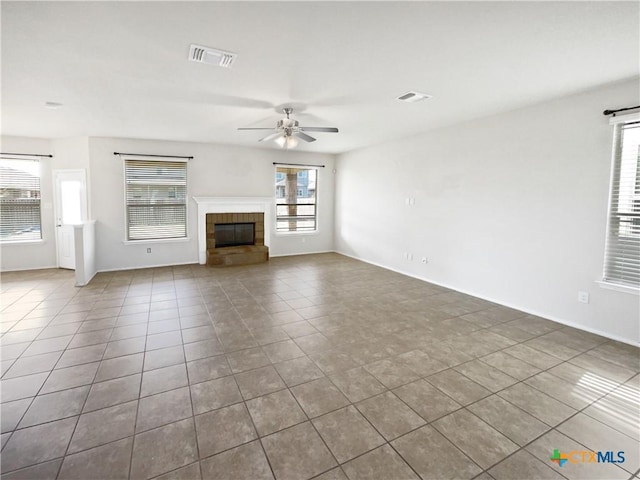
413	97
211	56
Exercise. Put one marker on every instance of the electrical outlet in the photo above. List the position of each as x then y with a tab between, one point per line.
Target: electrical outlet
148	250
425	260
583	297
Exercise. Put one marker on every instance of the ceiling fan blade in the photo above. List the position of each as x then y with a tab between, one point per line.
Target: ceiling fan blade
305	137
255	128
273	136
320	129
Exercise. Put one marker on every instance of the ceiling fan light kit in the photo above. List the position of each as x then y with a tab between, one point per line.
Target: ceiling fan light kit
288	131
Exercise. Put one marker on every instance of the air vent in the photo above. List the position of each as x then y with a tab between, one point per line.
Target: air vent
211	56
413	97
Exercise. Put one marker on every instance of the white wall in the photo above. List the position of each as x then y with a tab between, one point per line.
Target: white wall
215	170
39	254
511	208
73	154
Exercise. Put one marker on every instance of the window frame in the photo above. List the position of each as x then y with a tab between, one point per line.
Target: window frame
618	123
317	202
37	160
142	241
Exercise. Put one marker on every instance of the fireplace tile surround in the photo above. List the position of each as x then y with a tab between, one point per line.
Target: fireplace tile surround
226	210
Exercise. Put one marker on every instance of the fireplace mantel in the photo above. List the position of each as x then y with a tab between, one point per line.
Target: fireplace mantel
230	205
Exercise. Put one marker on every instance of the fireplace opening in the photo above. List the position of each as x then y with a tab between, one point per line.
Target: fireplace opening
234	234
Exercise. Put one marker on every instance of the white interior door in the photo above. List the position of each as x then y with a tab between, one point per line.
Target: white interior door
71	209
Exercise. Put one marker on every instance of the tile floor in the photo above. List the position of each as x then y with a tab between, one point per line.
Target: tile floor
306	367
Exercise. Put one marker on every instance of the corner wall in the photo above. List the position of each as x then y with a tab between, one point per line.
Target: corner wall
511	208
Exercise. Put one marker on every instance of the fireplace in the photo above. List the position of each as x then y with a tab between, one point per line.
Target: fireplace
224	210
235	239
234	234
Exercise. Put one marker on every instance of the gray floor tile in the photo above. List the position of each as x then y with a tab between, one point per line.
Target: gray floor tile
249	359
298	370
70	377
42	471
489	377
113	459
54	406
538	404
259	382
281	351
274	412
357	384
163	379
163	408
510	365
429	402
319	397
523	465
391	373
164	357
164	449
12	412
119	367
508	419
113	392
104	426
202	349
21	387
347	433
223	429
383	462
433	456
190	472
208	369
31	365
389	415
37	444
290	324
246	461
297	453
462	389
215	394
482	443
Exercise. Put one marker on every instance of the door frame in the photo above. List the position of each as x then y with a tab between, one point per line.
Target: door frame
84	209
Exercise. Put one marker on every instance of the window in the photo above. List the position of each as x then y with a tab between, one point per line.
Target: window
19	200
156	197
296	199
622	255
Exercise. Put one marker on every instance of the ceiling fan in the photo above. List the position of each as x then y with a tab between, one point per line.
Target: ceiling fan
288	130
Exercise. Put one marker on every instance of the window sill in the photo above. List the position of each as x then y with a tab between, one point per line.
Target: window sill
295	234
23	242
155	241
618	288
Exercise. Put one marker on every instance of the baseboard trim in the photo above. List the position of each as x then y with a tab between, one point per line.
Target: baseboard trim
501	302
301	253
30	269
123	269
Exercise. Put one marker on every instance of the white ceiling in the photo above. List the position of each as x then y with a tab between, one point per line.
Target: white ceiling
121	68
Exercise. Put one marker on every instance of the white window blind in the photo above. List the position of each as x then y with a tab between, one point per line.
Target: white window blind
296	192
19	200
156	197
622	255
